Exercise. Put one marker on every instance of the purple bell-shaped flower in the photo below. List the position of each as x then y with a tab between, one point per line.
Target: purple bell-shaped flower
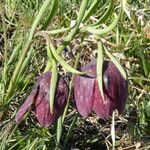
88	98
39	97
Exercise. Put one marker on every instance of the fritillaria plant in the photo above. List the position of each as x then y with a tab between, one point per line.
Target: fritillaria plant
49	94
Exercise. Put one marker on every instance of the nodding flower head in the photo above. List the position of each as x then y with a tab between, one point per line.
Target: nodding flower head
88	98
39	97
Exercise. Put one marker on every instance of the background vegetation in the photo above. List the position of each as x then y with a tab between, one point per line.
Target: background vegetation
129	42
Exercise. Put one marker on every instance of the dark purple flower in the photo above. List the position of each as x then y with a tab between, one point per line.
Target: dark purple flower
88	97
39	97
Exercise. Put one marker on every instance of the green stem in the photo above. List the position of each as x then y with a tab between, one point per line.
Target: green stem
74	31
59	131
70	89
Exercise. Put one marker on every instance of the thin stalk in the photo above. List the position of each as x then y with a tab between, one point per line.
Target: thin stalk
70	89
59	131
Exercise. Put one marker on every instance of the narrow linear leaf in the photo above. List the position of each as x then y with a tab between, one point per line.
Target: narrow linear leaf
139	78
114	60
26	82
44	147
99	68
26	61
105	15
49	54
12	147
33	144
82	10
70	88
57	31
145	66
90	11
102	7
48	66
24	66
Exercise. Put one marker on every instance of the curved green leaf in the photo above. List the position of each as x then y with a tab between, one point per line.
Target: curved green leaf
103	31
63	63
53	65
